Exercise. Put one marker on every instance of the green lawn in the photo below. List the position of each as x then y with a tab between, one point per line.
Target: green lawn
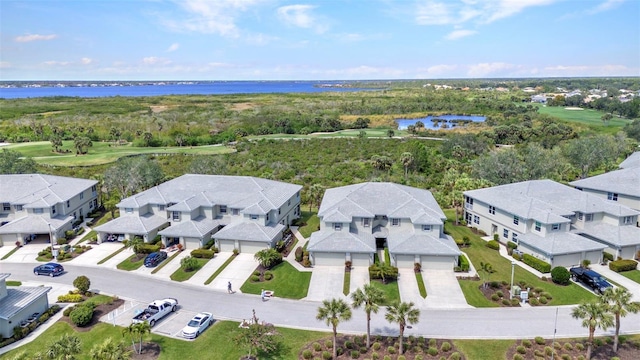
478	252
103	152
390	289
483	349
13	283
182	275
287	282
129	264
311	221
216	343
346	283
421	288
10	253
633	275
592	118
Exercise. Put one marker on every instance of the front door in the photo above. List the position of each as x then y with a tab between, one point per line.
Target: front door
381	243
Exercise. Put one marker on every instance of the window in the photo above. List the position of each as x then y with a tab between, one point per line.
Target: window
476	219
6	206
53	210
492	210
468	203
426	227
128	210
82	195
627	220
555	227
95	202
18	207
612	196
395	222
538	226
235	211
223	209
253	217
267	216
289	202
37	210
505	233
589	217
175	215
580	216
279	211
68	203
365	222
337	226
94	189
514	237
516	220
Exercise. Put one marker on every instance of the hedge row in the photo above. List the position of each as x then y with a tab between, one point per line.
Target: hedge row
623	265
148	248
537	264
203	253
463	263
493	244
70	298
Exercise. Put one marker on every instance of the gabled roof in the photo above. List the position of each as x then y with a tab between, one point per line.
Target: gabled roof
249	231
422	244
546	201
131	224
47	190
560	243
632	161
615	236
372	198
341	241
35	224
624	181
194	229
19	298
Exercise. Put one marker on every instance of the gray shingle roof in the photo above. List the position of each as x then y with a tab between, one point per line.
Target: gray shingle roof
35	224
560	243
130	224
422	244
611	234
19	298
631	161
371	198
625	181
341	241
249	231
546	201
196	228
25	189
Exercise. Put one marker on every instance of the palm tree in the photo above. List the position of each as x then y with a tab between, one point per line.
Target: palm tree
402	313
369	297
64	348
618	301
137	331
315	194
487	269
594	315
109	350
268	257
135	243
407	160
332	312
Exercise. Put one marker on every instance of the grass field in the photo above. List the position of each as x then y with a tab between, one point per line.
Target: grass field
103	152
128	264
287	282
593	118
390	290
633	275
182	275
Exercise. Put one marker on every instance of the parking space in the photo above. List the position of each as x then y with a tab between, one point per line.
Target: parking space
212	266
172	266
97	253
326	283
443	290
27	253
359	278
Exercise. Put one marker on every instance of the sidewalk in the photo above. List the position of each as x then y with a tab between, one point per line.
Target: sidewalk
291	258
632	286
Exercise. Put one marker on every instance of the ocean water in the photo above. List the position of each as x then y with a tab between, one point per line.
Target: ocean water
429	124
104	89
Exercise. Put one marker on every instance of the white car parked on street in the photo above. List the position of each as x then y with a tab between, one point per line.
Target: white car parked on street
197	325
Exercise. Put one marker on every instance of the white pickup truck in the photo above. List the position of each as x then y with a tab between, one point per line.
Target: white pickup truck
156	311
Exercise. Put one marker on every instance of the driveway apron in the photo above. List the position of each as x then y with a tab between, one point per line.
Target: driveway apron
408	287
443	290
326	283
172	266
238	271
359	278
97	253
212	266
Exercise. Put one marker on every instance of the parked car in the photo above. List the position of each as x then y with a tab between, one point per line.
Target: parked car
51	269
156	310
197	325
155	258
590	278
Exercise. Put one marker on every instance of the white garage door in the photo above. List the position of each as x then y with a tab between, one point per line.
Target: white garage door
437	262
192	243
329	259
360	259
405	261
252	247
594	256
567	260
628	252
226	245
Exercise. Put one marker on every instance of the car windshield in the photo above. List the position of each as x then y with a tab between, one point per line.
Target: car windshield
194	323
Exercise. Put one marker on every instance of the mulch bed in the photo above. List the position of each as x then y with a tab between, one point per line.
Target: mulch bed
415	348
150	351
98	312
573	349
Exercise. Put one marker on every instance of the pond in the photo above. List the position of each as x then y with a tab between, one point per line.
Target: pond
440	121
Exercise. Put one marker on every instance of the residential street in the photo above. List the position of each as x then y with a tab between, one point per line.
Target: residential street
441	323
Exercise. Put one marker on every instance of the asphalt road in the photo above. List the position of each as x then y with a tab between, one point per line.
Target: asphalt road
485	323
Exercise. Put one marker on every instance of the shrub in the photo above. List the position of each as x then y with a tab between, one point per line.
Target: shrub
623	265
568	357
557	346
517	357
516	256
82	283
363	349
506	302
326	355
402	357
580	346
81	315
568	346
455	356
495	284
580	357
607	256
560	275
521	349
355	354
148	248
493	244
500	293
511	245
432	342
386	357
307	354
432	351
387	257
495	297
317	346
68	311
256	273
298	254
515	302
445	347
463	263
537	264
496	237
348	344
526	343
375	356
540	340
391	350
547	295
268	275
328	344
585	263
376	346
543	300
419	357
70	298
534	302
203	253
254	278
548	350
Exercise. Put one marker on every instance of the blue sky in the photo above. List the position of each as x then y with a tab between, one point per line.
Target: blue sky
309	40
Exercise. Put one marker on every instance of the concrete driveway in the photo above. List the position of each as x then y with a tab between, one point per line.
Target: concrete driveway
359	278
212	266
97	253
443	290
632	286
28	253
238	271
408	287
326	283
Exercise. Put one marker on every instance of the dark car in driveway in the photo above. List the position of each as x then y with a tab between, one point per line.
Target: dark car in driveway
155	258
51	269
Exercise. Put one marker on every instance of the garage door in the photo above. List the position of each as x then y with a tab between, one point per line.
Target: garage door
405	261
192	243
329	259
226	245
594	256
437	262
252	247
360	259
567	260
628	252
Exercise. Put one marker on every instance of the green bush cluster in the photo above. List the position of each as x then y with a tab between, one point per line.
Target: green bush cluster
82	314
203	253
607	256
148	248
540	340
299	254
70	298
623	265
560	275
493	244
376	271
537	264
463	263
511	245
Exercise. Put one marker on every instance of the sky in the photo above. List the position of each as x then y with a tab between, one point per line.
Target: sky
317	40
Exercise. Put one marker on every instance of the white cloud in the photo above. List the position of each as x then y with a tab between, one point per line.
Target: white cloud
5	64
430	12
209	17
152	60
173	47
302	16
590	70
606	5
35	37
440	69
57	63
458	34
487	69
435	13
86	61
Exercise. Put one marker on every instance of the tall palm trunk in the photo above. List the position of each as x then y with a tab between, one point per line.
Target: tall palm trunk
335	338
615	338
401	338
368	329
